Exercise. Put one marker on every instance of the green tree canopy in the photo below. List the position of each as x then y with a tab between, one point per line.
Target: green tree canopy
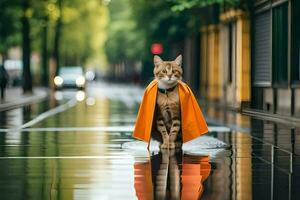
181	5
10	24
83	33
125	42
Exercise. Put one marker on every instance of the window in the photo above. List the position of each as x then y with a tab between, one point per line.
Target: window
280	45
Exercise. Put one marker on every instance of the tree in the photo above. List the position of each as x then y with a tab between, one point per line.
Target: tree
160	24
135	25
26	45
57	36
125	42
74	33
9	25
82	33
43	15
181	5
44	47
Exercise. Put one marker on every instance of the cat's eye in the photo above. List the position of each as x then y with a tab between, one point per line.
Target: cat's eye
164	71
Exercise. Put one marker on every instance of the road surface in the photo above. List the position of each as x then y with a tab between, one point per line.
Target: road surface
78	145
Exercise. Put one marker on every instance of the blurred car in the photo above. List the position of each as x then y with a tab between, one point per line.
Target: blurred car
70	77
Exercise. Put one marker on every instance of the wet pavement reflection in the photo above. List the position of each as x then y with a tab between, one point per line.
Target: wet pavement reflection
77	151
171	175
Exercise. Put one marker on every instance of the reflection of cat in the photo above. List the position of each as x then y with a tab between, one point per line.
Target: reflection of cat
168	123
165	178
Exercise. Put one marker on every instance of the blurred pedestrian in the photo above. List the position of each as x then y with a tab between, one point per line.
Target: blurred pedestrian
3	80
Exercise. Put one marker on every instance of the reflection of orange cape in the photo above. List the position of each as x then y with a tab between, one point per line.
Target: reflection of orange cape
192	121
195	170
143	181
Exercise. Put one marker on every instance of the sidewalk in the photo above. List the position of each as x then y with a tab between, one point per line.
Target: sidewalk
278	134
14	97
250	112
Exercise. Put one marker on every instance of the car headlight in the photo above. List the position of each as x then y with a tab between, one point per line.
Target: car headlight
90	75
80	96
58	81
80	81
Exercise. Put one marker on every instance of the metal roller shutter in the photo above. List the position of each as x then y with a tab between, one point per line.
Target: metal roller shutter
262	51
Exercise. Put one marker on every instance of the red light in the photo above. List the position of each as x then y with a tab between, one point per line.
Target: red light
157	48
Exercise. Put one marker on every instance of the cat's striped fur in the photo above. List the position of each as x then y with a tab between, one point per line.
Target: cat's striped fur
167	114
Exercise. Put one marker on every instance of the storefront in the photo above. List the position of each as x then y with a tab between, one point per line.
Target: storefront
275	56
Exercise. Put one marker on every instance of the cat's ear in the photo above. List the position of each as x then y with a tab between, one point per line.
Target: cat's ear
157	60
178	60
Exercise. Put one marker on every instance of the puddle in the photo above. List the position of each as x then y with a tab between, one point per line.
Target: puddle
201	146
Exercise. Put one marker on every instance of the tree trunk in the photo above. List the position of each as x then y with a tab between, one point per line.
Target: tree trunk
57	38
45	71
27	79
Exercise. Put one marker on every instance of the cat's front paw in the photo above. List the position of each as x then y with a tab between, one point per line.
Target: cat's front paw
164	146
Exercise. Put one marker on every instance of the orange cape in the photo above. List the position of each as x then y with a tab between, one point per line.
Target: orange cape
193	123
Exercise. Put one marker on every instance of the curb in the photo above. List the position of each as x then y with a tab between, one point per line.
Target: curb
23	101
293	121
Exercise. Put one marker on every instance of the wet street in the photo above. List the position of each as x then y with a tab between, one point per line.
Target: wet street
77	145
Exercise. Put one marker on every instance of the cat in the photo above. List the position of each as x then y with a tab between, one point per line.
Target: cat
167	122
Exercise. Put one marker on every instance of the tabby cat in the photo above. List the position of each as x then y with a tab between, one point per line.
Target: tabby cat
167	121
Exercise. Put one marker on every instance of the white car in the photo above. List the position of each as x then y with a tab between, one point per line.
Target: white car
70	77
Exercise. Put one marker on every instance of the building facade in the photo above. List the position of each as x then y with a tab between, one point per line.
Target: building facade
275	56
250	56
225	57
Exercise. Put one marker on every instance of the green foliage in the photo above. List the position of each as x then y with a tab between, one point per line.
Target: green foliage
83	33
163	21
135	25
125	42
160	24
181	5
157	20
10	21
10	24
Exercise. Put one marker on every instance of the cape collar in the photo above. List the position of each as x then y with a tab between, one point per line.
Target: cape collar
165	91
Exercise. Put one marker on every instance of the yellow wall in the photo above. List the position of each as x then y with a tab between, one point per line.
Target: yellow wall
214	70
243	59
214	83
